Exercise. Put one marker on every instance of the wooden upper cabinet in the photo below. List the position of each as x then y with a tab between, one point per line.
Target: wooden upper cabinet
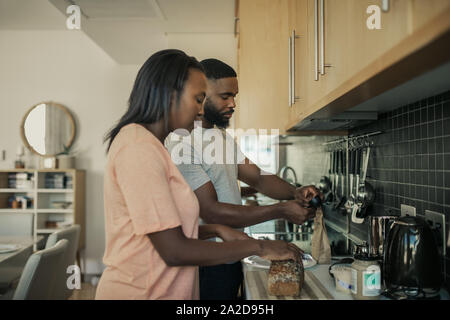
366	45
263	65
335	60
345	43
353	53
326	43
423	11
298	71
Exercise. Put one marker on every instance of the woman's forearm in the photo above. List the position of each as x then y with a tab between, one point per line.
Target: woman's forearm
178	250
209	253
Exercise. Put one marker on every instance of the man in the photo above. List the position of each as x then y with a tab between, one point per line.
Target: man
215	183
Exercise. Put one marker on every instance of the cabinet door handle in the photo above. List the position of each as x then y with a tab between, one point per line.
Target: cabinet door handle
293	96
290	71
322	39
385	5
316	40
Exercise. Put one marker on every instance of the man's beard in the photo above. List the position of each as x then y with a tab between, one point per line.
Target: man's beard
214	117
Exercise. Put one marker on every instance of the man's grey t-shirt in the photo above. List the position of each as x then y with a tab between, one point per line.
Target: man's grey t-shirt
208	155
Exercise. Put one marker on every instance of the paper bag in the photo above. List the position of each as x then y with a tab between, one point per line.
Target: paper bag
320	245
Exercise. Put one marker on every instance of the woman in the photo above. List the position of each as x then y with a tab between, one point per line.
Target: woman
153	241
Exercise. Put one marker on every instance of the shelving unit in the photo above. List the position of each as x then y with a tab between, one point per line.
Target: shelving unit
43	208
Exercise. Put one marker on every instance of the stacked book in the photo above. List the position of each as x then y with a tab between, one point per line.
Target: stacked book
55	180
69	182
20	180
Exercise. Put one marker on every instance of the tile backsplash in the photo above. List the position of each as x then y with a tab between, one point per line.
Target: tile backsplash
409	161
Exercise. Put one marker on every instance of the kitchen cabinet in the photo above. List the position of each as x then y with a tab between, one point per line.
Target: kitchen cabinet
356	64
326	42
341	44
364	45
314	59
263	65
423	11
298	63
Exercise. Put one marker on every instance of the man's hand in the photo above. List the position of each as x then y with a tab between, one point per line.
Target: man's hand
229	234
294	212
305	194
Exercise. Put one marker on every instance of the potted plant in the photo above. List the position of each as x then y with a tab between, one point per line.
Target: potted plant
66	159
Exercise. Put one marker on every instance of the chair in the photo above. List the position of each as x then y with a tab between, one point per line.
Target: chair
72	235
38	277
14	224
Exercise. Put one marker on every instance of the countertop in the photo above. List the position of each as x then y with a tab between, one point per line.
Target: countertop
318	285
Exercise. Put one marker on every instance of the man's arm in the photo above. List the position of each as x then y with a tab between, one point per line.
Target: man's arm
275	187
270	185
237	216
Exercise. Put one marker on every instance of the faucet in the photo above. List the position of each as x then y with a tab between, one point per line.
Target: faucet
284	173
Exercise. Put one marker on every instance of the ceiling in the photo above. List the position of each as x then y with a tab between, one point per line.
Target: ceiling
127	30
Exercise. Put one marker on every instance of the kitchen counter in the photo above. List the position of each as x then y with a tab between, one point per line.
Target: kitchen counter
318	285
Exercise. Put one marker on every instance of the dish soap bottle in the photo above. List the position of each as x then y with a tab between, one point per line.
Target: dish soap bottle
366	275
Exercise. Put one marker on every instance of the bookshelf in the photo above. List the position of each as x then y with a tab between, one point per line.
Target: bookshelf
54	197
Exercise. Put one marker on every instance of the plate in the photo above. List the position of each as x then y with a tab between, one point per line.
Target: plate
5	248
258	262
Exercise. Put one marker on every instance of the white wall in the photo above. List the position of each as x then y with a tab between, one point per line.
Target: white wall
222	46
67	67
308	157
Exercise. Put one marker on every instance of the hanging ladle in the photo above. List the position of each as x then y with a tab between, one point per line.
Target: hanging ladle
365	195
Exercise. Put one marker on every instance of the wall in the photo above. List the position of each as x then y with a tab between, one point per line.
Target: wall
409	162
220	46
307	156
68	67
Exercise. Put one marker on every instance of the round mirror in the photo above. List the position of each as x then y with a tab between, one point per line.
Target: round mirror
48	129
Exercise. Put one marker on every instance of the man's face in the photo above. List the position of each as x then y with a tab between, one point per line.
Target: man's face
219	105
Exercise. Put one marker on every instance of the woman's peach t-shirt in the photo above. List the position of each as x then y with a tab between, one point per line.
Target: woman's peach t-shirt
144	193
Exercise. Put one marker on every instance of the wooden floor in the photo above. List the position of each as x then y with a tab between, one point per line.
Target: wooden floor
87	292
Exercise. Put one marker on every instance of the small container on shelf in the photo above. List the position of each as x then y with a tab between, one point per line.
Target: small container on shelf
61	204
20	202
15	204
51	224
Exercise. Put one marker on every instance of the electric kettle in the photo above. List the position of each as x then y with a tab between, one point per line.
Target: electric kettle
411	261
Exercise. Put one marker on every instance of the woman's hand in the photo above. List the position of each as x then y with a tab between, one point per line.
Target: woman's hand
229	234
280	250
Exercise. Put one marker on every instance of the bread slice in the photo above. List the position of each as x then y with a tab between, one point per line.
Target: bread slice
285	278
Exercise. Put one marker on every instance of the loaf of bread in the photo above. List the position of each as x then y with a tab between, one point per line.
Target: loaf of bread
285	278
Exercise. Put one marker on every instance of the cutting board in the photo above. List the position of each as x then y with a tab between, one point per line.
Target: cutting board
312	288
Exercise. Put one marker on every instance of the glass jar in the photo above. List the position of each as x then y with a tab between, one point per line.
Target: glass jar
366	278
